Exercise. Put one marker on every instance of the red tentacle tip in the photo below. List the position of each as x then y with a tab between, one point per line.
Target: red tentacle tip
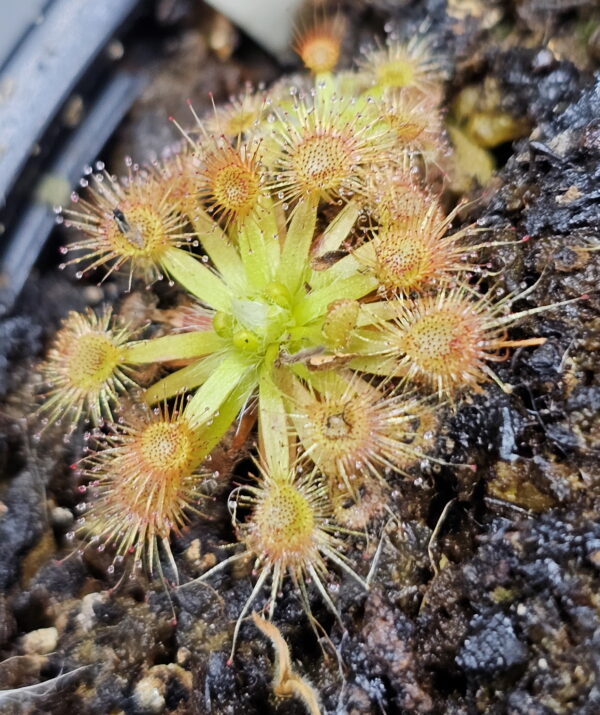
188	101
526	238
229	662
472	467
171	118
73	466
585	296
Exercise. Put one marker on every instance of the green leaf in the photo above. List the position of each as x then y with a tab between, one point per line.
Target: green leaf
174	347
267	223
221	251
273	427
203	222
367	341
229	410
252	314
195	277
253	252
183	380
354	263
384	365
327	381
217	388
339	229
315	304
294	257
378	312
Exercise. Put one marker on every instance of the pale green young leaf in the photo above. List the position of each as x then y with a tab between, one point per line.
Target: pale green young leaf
195	277
253	252
315	304
384	365
378	312
339	229
183	380
295	254
229	410
273	427
210	396
267	222
220	250
351	264
173	347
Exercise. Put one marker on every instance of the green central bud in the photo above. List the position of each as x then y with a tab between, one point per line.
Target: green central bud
256	324
246	341
279	294
223	324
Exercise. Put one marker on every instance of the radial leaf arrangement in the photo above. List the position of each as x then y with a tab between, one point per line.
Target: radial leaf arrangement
325	294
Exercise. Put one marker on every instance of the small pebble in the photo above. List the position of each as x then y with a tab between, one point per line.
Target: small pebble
39	642
93	294
543	60
62	518
183	655
86	617
193	551
594	557
148	695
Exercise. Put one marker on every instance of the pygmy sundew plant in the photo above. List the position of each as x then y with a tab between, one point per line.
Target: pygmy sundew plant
145	482
328	289
84	368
